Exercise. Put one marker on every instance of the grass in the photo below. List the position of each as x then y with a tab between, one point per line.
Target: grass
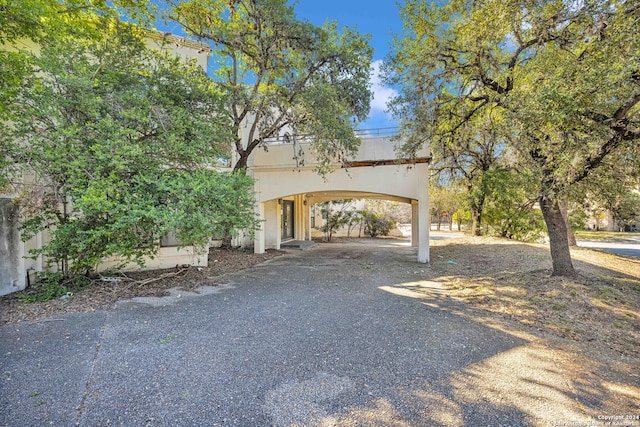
605	236
166	340
52	286
599	306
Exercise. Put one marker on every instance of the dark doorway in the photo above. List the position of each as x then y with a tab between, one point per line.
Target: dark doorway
287	219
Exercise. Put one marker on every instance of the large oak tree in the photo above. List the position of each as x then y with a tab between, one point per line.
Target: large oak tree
283	73
122	144
565	75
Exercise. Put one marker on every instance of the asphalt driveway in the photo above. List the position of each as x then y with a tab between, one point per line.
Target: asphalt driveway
328	336
629	247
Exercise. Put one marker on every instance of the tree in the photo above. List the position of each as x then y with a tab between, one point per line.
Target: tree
446	197
377	224
509	211
122	143
34	21
612	187
337	214
356	218
563	75
39	20
283	73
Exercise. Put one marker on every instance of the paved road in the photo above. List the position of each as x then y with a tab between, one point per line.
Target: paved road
329	336
629	248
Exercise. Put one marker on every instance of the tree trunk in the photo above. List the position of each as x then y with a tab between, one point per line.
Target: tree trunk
477	206
564	209
476	222
241	164
558	241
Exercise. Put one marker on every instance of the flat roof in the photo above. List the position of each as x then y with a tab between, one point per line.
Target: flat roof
181	41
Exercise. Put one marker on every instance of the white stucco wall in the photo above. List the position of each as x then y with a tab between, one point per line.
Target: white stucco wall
277	177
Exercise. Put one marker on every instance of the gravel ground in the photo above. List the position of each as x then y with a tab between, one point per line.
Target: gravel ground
348	334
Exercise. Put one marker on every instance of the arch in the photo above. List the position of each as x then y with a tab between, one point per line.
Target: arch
393	181
304	187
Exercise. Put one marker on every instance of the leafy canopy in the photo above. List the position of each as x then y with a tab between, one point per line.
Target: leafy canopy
123	142
564	75
283	73
25	23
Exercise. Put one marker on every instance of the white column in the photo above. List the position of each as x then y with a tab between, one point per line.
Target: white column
415	223
423	215
259	239
298	214
271	225
276	226
308	214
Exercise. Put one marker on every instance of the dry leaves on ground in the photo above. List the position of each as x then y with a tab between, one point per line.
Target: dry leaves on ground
503	278
512	280
103	295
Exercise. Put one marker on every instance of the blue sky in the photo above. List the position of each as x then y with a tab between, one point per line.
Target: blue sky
379	19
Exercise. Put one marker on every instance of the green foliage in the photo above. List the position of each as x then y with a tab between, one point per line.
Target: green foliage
561	77
578	219
461	216
122	142
282	72
25	23
337	214
612	187
377	224
627	210
509	211
53	285
166	340
39	20
447	198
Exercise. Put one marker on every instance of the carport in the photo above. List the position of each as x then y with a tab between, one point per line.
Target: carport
284	188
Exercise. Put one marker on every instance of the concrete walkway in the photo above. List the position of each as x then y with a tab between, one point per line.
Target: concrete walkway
328	336
630	247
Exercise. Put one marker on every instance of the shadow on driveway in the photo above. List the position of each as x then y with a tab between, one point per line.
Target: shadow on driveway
335	335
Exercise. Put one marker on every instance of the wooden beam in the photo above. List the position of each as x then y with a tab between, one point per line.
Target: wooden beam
392	162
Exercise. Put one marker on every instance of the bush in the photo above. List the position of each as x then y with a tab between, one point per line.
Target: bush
376	224
51	286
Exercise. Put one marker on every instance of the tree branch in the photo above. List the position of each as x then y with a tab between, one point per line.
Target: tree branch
594	160
624	109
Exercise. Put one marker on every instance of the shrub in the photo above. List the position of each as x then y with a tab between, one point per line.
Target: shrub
377	224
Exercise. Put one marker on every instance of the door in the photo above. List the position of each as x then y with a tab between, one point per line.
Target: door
287	219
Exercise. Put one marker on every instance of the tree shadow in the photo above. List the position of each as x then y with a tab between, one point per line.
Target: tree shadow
579	353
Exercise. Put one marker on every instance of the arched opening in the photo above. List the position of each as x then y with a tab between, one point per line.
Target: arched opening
288	220
373	173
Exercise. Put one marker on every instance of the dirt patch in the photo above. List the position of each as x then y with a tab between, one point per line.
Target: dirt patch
101	295
599	307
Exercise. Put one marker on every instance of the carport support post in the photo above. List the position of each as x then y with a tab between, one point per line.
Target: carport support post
298	223
307	212
423	223
259	239
414	223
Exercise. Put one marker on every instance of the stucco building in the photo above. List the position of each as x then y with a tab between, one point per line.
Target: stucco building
284	192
